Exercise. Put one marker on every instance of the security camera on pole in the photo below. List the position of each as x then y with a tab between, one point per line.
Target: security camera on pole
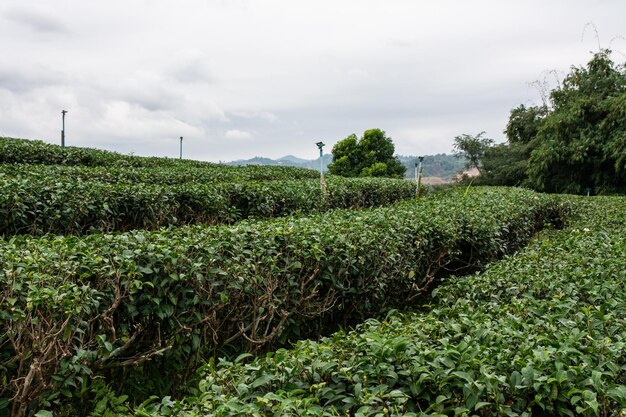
63	112
320	145
418	176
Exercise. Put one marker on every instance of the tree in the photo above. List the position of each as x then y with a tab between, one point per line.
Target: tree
471	148
371	156
575	145
506	163
524	123
581	143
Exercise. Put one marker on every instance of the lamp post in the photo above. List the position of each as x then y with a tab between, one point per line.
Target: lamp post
63	112
418	176
181	148
320	145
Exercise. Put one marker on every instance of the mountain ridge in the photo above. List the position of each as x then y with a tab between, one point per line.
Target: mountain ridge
441	165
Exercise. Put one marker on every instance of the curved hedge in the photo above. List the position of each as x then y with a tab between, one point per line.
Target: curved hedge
23	151
142	308
37	205
181	173
540	333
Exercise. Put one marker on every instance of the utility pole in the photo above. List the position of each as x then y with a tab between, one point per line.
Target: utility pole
418	176
63	128
181	147
320	145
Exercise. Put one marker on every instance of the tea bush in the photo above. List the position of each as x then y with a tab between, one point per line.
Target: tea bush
70	159
37	204
539	333
182	172
141	309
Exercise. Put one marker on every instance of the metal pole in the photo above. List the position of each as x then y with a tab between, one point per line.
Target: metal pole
320	145
63	128
419	176
181	147
417	187
322	169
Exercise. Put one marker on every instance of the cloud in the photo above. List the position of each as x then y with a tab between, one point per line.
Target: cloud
254	115
36	20
19	80
279	75
237	134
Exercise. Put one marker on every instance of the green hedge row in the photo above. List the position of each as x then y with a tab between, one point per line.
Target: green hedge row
37	205
140	309
182	173
24	151
540	333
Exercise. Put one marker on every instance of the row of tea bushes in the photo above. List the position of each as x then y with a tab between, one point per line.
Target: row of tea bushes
141	309
37	205
540	333
181	173
24	151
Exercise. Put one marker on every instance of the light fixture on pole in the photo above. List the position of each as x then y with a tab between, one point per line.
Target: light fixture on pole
181	147
320	146
63	112
418	176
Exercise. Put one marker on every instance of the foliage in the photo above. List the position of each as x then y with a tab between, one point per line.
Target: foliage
439	165
575	146
539	333
140	309
524	123
163	175
37	202
471	148
371	156
581	142
506	163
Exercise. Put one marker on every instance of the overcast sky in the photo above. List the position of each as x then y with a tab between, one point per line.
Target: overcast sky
244	78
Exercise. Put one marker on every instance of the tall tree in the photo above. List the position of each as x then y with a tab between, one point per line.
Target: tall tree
506	163
471	148
577	144
371	156
581	143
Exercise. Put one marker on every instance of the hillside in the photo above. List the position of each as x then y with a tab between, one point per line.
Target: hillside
441	167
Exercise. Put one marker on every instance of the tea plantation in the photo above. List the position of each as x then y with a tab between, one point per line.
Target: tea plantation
539	333
147	286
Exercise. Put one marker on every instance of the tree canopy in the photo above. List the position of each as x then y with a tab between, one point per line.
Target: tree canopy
370	156
578	143
471	148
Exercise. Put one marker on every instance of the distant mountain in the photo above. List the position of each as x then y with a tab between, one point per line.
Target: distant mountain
440	165
289	160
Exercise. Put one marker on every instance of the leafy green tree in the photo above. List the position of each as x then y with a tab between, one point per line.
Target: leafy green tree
471	148
581	142
371	156
506	163
346	157
578	143
524	123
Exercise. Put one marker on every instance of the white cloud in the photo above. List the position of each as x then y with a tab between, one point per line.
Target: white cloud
237	134
281	75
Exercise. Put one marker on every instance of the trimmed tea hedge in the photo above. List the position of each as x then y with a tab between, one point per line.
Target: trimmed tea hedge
183	172
140	309
23	151
37	205
540	333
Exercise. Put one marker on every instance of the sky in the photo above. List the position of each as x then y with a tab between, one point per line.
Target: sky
244	78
